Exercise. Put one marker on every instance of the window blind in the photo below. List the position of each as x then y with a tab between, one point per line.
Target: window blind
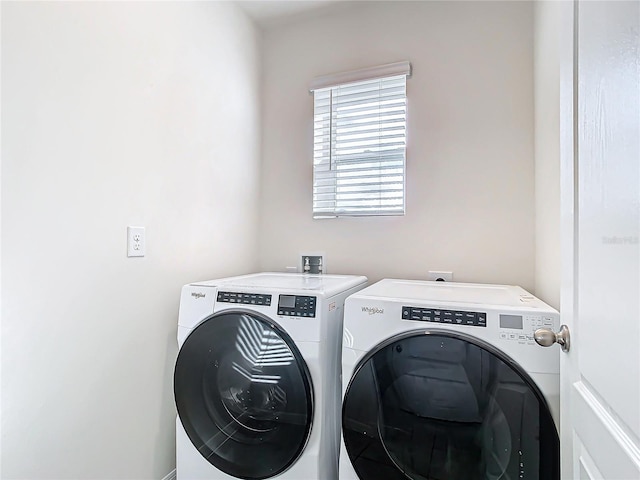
359	148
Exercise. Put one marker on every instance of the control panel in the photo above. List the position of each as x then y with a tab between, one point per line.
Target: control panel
297	306
436	315
520	328
244	298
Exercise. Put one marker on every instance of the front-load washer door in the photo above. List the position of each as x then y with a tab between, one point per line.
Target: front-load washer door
439	405
244	394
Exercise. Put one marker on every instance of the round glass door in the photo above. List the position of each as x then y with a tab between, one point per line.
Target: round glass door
434	405
244	394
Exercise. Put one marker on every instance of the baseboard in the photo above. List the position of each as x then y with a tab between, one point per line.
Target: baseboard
171	475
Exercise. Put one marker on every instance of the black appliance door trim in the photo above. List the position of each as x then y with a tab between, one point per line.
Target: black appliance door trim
549	465
204	410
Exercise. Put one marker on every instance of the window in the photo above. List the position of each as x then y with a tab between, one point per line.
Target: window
359	142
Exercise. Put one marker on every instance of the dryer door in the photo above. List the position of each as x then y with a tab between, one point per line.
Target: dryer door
438	405
244	394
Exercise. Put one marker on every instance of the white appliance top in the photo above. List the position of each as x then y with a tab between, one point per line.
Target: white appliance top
452	293
322	284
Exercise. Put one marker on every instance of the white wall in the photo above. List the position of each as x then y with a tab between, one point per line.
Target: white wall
470	166
115	114
547	150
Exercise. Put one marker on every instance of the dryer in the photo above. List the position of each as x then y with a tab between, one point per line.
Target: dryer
444	381
256	380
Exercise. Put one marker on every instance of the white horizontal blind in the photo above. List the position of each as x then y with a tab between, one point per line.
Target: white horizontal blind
359	148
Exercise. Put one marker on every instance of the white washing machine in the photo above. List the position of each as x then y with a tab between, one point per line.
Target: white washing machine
444	381
257	378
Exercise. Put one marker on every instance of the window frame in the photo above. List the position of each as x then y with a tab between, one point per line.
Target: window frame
355	178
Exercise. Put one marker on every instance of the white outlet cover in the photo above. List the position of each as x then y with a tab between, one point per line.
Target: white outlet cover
135	242
436	274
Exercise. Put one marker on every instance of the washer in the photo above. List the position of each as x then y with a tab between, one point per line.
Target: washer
444	381
256	382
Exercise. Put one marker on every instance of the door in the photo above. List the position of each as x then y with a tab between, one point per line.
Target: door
600	185
442	405
244	394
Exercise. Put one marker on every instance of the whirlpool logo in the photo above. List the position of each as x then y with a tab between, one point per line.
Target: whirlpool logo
372	310
197	295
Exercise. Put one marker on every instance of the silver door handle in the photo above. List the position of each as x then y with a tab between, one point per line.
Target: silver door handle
545	337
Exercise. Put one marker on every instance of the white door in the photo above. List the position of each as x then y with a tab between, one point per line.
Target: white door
600	177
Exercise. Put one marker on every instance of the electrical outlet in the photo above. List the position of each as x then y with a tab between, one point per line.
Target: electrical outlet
439	276
135	242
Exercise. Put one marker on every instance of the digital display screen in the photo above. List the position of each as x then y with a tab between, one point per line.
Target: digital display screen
287	301
511	321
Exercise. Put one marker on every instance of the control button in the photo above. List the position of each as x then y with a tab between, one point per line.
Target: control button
513	336
454	317
503	335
